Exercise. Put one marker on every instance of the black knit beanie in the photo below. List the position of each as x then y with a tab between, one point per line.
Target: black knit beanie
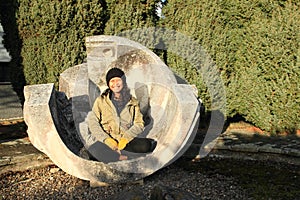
115	72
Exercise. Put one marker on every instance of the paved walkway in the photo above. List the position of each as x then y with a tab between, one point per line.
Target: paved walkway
20	155
257	143
251	145
10	106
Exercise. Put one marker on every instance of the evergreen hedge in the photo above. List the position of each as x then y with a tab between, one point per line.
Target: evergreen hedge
126	15
254	44
53	35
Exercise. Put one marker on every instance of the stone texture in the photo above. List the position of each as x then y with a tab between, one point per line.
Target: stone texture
249	141
67	80
20	155
103	50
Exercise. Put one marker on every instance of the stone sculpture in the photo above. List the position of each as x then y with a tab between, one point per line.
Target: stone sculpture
57	122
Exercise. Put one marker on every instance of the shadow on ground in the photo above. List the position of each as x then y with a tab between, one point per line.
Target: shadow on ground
262	175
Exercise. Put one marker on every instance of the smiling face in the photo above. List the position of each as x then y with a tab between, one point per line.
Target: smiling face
116	85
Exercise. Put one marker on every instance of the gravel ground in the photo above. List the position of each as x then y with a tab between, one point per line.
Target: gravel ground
50	183
210	178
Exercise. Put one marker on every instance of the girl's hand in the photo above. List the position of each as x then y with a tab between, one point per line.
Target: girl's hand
111	143
122	143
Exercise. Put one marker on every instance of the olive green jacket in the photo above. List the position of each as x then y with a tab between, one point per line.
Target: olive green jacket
127	125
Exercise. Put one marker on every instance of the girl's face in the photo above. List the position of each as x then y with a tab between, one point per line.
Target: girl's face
116	84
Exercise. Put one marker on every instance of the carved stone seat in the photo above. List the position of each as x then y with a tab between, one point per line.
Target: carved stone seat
57	120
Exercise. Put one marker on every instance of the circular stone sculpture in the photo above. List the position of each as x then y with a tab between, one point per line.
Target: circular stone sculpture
58	121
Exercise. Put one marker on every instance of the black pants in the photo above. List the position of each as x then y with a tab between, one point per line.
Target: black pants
101	152
141	145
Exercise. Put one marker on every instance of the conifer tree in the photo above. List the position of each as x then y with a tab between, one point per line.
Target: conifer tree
53	34
130	14
255	45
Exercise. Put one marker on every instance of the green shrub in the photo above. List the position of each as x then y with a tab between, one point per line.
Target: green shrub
130	14
255	45
53	35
